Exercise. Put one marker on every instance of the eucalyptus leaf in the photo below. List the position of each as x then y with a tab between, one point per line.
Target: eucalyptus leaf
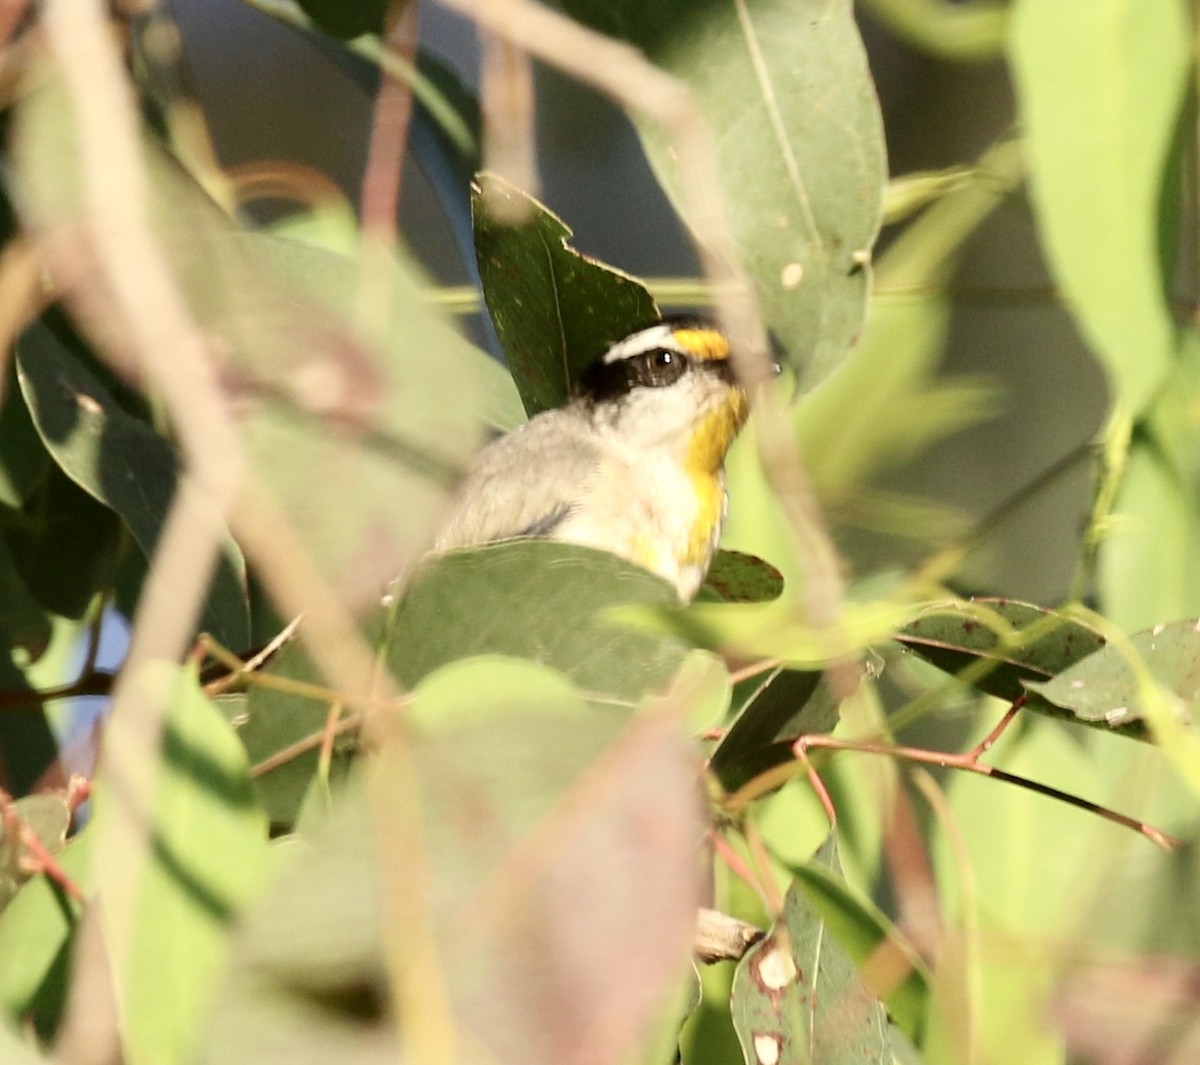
799	155
1100	88
555	310
1105	687
539	600
797	998
208	860
121	462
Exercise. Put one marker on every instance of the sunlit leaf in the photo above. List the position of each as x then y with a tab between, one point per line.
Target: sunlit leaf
798	999
1106	686
208	859
1100	85
35	938
539	600
799	149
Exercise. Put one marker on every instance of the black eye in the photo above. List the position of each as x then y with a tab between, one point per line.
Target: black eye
659	368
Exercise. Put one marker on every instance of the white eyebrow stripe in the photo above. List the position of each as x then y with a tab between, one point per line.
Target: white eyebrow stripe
656	336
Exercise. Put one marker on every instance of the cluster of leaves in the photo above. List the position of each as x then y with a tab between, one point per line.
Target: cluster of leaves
469	821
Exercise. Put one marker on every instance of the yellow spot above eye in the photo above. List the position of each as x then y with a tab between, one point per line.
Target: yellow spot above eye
704	344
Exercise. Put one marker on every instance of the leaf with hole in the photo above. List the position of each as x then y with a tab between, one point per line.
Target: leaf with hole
797	998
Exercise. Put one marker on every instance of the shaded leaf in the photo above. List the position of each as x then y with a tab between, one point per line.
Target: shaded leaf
539	600
799	149
65	545
797	998
23	621
788	704
555	311
346	18
1105	687
23	460
119	461
1100	86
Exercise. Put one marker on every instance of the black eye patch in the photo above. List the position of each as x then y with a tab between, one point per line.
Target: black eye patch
656	368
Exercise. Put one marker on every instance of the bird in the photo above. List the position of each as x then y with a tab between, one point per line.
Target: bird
632	464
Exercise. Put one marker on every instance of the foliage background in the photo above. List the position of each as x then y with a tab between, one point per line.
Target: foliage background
1041	240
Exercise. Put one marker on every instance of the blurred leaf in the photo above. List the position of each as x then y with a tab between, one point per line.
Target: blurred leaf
538	600
35	939
535	806
1133	997
121	462
799	149
16	1051
208	859
1100	86
967	31
1020	642
555	311
539	810
797	998
48	817
737	577
346	18
1106	687
359	404
1148	569
886	961
1126	1012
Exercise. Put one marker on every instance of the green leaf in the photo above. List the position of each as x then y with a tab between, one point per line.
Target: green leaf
737	577
539	600
277	720
346	18
886	960
525	805
1106	687
787	704
48	817
1012	642
555	311
119	461
36	929
1148	569
23	460
23	621
1100	87
797	998
65	545
359	405
208	860
786	89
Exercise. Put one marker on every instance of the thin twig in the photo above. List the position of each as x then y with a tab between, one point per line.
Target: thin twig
966	763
